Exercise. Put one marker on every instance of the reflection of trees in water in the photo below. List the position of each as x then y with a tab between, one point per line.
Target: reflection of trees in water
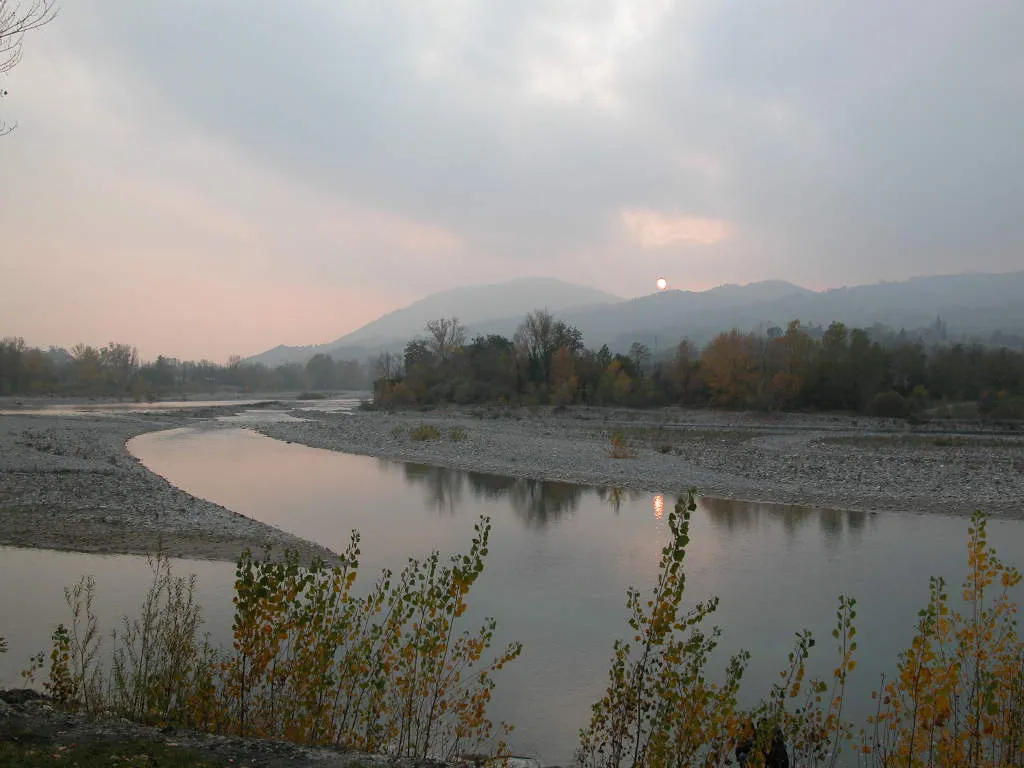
734	515
443	486
615	496
537	502
487	486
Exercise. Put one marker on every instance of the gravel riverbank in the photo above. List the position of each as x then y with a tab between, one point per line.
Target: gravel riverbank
67	482
839	462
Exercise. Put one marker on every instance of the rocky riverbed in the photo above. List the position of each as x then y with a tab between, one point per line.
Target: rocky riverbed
67	482
840	462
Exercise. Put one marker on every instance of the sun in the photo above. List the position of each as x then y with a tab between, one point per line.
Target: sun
662	283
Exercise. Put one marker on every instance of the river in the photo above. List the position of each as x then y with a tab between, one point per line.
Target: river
561	558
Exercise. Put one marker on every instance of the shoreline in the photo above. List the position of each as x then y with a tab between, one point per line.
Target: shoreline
68	482
821	461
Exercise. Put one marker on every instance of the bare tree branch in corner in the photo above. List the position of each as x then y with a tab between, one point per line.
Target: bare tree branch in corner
17	18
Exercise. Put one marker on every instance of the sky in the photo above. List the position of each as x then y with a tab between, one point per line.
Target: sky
211	178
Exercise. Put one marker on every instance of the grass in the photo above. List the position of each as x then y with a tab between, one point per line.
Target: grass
133	754
424	432
674	441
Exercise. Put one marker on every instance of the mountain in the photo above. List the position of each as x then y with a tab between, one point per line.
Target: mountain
969	304
472	305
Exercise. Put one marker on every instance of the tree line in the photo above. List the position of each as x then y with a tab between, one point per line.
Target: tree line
116	370
799	367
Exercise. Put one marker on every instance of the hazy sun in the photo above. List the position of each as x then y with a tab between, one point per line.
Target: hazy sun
662	283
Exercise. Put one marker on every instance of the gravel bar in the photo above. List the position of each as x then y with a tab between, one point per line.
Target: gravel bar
838	462
68	482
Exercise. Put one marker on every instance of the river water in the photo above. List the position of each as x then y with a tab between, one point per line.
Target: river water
561	558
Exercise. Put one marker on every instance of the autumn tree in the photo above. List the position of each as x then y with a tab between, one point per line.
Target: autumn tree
17	19
537	339
728	368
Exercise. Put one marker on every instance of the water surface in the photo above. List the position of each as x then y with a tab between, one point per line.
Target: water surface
561	557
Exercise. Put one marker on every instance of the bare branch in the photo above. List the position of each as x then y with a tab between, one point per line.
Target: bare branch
17	18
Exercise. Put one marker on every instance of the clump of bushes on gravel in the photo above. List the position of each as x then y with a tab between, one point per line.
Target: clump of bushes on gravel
424	432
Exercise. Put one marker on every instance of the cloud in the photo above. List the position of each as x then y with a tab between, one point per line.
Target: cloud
398	149
653	229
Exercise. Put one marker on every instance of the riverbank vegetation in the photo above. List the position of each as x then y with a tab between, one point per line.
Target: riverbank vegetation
314	663
116	371
310	662
799	368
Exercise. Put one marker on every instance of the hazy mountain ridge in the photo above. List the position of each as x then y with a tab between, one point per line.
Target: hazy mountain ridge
471	304
971	304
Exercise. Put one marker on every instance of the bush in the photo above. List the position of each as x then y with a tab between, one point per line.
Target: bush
310	662
425	432
457	434
1008	409
890	405
957	700
618	446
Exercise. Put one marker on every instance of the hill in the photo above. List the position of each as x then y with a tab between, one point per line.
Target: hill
473	305
975	305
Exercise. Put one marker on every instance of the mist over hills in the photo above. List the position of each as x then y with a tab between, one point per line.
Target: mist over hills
471	304
974	305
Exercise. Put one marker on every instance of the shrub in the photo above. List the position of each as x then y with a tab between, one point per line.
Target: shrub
958	696
618	446
457	434
889	404
310	661
397	431
425	432
1008	409
658	708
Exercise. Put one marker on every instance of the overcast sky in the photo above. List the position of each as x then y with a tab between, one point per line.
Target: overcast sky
217	177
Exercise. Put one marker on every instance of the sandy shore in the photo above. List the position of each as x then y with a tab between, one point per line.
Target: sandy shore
839	462
67	482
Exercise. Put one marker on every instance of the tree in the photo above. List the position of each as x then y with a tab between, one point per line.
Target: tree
388	366
446	335
537	339
729	368
416	351
320	371
639	353
15	20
